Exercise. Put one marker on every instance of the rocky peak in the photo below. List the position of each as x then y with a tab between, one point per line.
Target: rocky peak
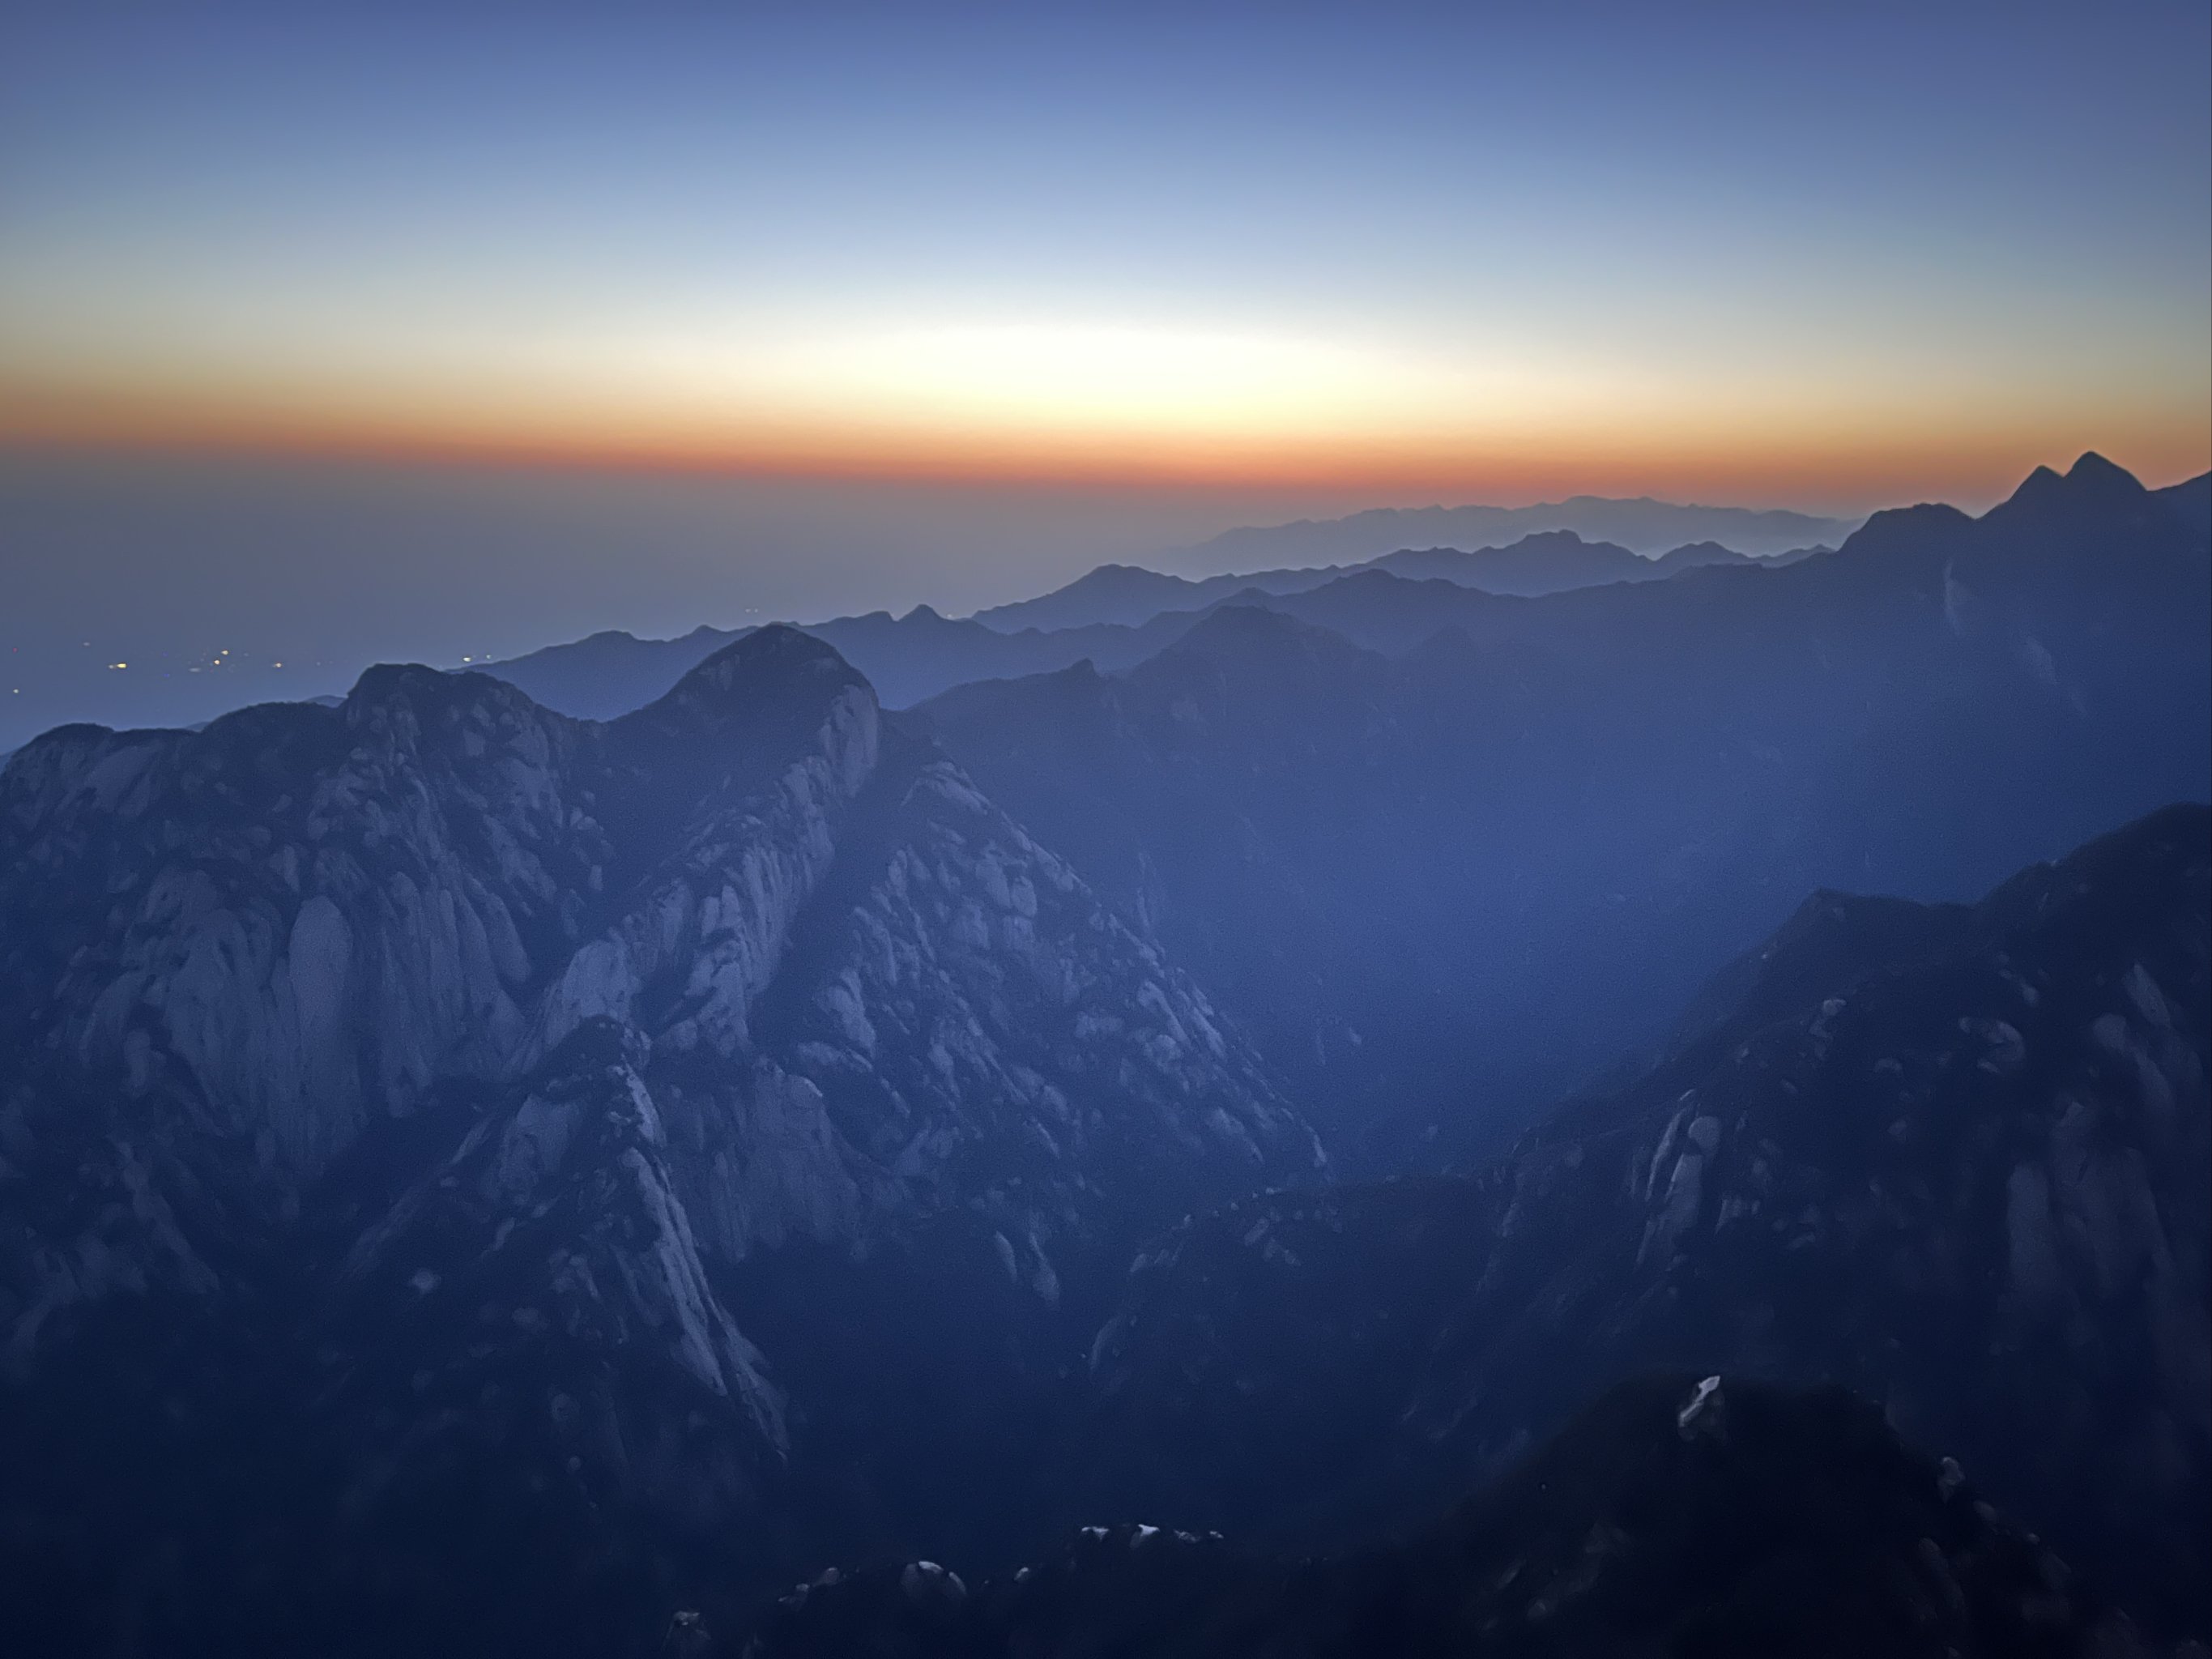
2091	498
771	666
455	1055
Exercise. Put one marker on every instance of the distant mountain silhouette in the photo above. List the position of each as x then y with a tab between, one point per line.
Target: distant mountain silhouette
1545	561
1128	594
1115	617
1548	562
1696	556
908	658
1641	525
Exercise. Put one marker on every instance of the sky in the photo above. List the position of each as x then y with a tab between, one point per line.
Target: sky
838	306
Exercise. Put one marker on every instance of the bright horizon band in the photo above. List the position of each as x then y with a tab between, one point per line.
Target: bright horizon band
1808	260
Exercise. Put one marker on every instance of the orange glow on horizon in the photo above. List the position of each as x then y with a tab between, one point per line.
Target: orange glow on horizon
1856	462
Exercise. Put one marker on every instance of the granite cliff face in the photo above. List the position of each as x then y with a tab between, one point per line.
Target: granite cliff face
457	1050
1953	1157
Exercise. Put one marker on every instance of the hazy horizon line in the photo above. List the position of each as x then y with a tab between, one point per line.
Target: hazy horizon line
1339	494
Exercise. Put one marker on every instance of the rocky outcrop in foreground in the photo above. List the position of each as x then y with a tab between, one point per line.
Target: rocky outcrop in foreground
1951	1156
1710	1517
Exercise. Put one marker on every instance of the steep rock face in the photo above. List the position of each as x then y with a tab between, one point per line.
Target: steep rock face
446	1056
299	917
556	1221
304	920
1707	1516
1953	1158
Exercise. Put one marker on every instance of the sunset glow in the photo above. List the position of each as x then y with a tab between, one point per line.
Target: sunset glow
744	255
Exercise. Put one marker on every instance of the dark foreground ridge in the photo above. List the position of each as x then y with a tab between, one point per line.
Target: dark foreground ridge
1678	1515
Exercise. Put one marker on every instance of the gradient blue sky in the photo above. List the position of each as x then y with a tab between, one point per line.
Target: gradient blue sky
1830	254
329	333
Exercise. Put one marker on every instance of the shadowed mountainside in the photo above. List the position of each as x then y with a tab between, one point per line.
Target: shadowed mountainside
1951	1156
1713	1518
1448	853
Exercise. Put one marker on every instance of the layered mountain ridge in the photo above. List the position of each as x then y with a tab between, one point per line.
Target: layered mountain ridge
1115	617
1422	837
1646	525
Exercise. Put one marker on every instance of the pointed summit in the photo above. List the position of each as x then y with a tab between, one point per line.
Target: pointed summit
771	662
771	697
2093	470
2092	484
2095	482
